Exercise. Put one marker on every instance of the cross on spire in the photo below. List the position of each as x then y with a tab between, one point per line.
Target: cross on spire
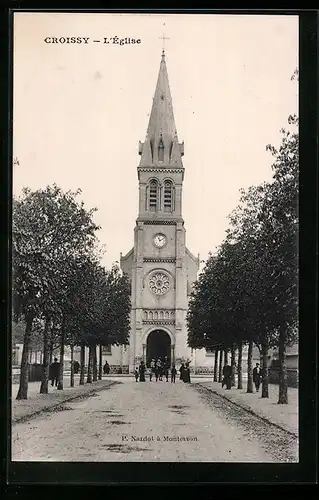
163	37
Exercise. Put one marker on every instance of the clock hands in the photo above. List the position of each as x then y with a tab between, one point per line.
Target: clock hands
160	240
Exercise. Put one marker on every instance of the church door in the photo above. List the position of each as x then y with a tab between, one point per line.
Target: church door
158	346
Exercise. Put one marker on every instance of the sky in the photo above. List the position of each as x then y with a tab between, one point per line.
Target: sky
79	110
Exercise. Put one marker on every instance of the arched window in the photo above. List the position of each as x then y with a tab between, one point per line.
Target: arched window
153	196
168	196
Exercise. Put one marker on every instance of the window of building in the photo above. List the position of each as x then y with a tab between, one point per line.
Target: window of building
153	196
209	352
168	196
107	349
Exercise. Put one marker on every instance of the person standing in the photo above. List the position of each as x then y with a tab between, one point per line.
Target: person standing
181	372
142	371
166	370
136	374
256	376
187	374
156	372
227	371
106	368
54	372
159	368
173	374
152	369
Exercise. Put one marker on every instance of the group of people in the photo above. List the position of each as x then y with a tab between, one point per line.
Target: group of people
227	376
54	371
185	373
160	368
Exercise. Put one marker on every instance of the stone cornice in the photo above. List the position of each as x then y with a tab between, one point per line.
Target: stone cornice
158	322
160	222
173	170
163	259
158	309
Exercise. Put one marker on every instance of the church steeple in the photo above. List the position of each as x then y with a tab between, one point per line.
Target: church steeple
161	146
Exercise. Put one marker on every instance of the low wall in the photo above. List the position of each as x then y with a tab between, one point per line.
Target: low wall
36	371
202	370
292	377
119	369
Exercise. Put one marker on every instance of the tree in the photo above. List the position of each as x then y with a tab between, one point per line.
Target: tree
281	224
50	228
247	292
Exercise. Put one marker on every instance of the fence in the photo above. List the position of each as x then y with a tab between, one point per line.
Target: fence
292	376
119	369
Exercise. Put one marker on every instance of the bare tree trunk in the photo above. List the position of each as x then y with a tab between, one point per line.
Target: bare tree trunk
72	367
283	385
216	365
82	363
239	366
225	356
60	383
233	364
100	362
94	364
89	374
250	368
51	353
220	368
265	381
46	359
24	368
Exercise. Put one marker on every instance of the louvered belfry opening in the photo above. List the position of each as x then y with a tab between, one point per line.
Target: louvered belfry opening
153	198
168	196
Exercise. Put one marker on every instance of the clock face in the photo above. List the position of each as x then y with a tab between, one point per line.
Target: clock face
159	240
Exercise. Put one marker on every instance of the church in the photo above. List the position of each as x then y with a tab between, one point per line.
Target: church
160	266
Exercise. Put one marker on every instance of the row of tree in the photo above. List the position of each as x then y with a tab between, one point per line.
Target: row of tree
247	292
60	290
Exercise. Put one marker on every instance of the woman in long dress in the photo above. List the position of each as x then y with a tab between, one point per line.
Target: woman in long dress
142	371
181	372
187	374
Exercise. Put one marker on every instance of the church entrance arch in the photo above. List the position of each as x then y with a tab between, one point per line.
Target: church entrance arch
158	345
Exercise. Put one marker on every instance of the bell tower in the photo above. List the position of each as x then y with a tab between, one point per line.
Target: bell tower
160	266
161	158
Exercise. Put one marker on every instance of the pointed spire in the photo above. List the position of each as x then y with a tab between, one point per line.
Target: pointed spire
161	127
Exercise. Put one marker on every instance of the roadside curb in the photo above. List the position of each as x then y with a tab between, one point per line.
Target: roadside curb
249	410
56	404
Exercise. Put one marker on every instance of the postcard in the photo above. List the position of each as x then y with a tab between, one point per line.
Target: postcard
155	188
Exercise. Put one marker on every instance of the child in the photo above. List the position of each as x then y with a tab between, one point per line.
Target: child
136	374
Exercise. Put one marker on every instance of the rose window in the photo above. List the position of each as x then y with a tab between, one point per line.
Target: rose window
159	283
